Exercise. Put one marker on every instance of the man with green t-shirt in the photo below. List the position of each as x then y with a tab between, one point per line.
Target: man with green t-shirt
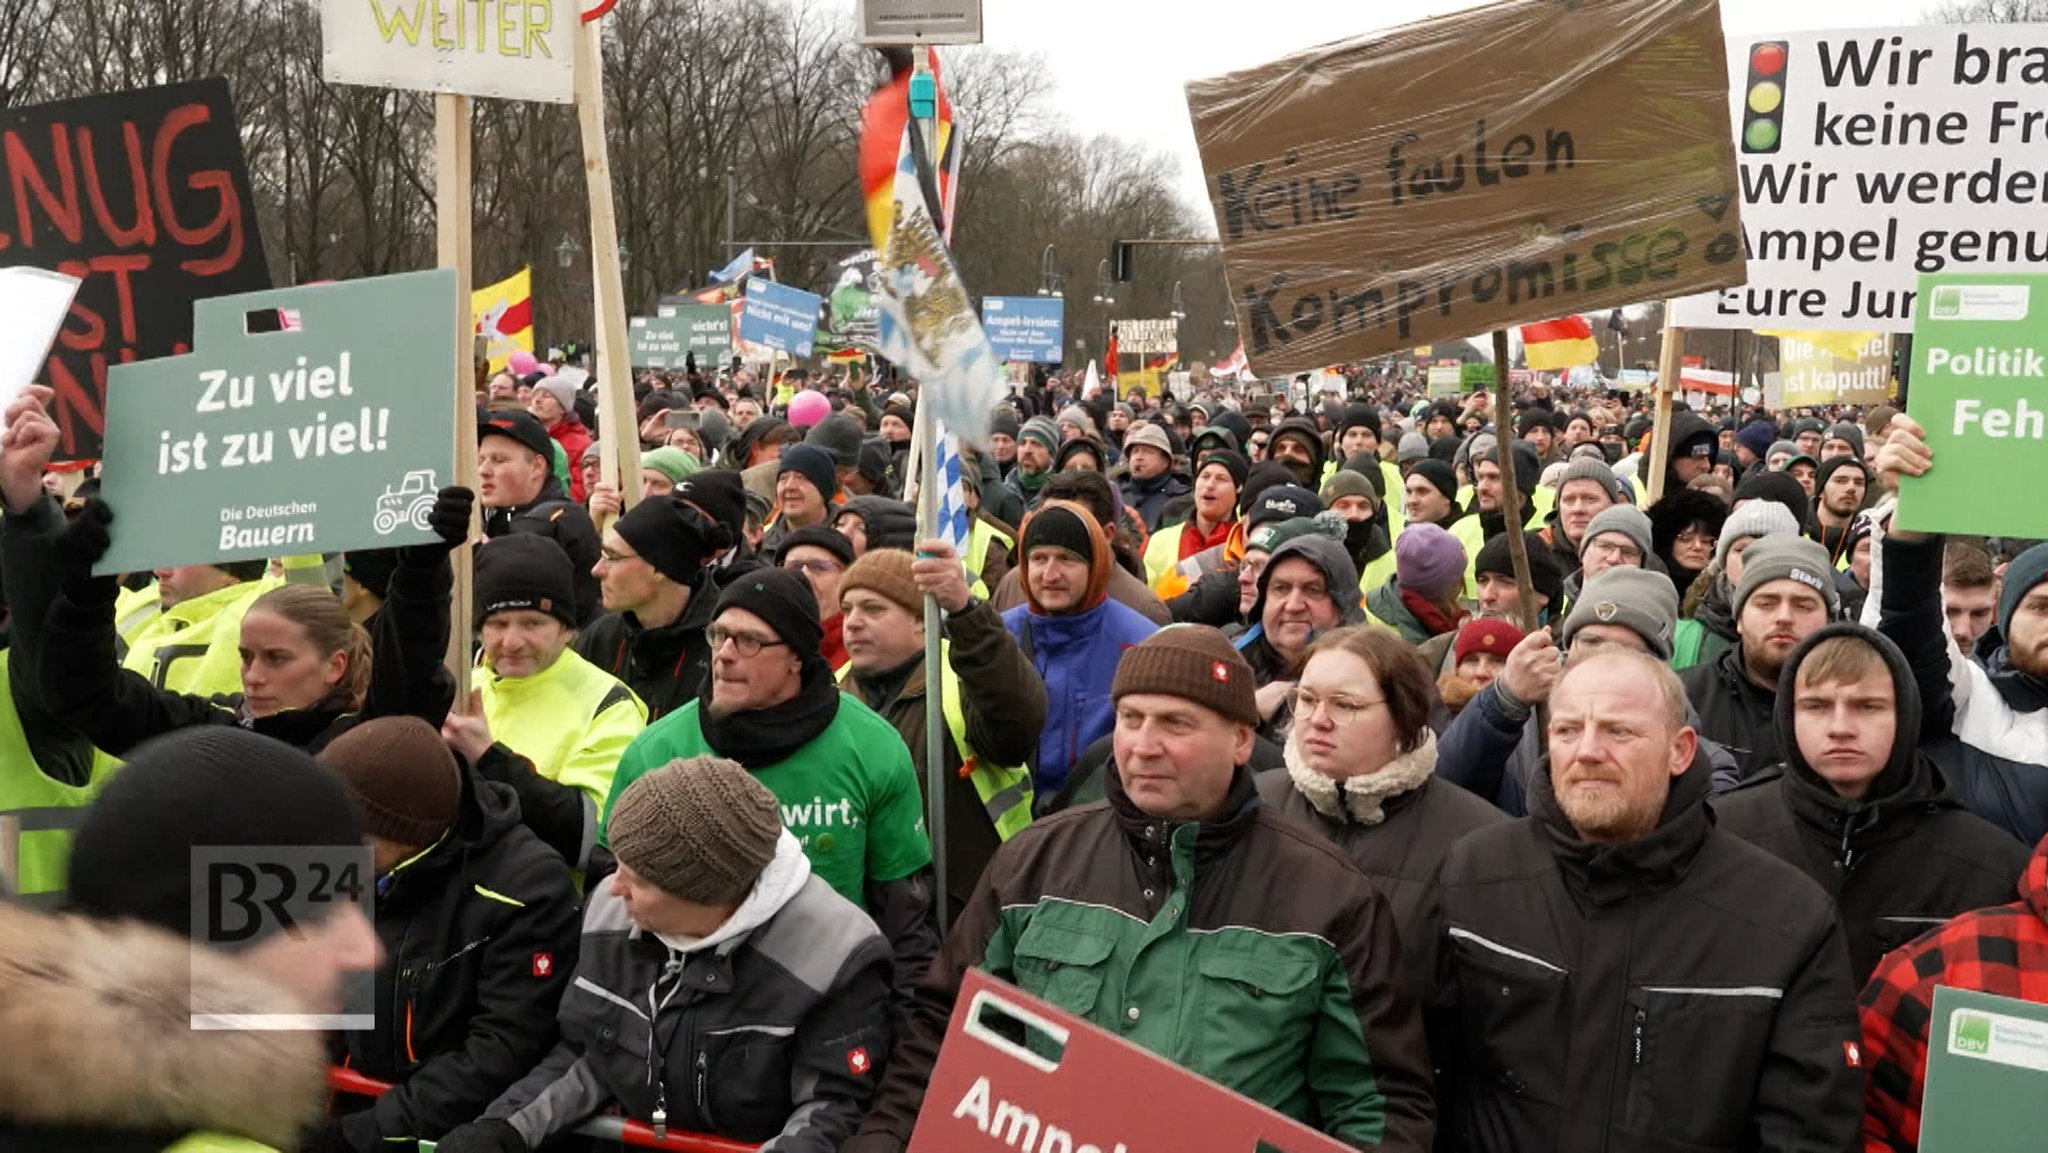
840	772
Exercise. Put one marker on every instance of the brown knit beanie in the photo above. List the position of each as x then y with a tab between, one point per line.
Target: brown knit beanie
700	830
403	779
1195	663
886	573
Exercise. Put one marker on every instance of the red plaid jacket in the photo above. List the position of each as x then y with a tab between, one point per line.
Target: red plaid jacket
2003	950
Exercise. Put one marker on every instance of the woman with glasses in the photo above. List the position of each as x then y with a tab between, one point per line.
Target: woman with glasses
541	718
1361	765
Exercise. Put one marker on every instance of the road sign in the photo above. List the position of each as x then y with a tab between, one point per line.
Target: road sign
1031	329
920	22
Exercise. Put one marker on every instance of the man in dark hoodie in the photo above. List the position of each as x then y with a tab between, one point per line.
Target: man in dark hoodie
519	492
1693	445
1298	444
658	599
1857	807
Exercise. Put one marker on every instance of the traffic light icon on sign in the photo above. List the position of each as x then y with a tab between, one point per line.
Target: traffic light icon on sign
1763	100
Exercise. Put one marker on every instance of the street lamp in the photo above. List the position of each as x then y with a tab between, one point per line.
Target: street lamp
567	251
625	257
1104	294
1179	313
1048	277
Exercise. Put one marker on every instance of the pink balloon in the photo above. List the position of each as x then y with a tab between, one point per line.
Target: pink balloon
521	362
808	407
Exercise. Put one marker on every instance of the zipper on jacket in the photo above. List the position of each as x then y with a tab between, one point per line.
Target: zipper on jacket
704	1091
1641	1019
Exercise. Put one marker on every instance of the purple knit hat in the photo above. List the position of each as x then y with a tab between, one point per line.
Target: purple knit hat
1429	560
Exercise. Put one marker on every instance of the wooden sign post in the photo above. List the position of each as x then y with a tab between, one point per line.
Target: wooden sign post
1670	366
454	171
618	439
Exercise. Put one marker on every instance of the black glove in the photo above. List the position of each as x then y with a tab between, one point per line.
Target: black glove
449	518
83	542
482	1137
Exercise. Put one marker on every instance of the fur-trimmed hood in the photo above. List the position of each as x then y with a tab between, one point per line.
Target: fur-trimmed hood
97	1018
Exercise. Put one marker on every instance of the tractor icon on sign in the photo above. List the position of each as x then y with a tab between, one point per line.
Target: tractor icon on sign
409	504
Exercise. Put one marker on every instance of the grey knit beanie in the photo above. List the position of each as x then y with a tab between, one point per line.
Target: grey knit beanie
1626	519
1582	468
1637	599
1754	519
1793	558
700	830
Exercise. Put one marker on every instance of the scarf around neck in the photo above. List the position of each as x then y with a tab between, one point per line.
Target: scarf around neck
759	738
1362	799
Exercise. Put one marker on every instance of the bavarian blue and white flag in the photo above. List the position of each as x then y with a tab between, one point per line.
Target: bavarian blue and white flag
929	328
954	521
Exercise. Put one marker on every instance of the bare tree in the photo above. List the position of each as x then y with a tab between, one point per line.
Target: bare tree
23	36
1991	12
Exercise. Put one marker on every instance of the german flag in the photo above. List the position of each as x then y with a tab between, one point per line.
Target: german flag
1559	344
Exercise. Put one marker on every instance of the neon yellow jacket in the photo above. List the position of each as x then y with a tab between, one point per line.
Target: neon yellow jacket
48	809
572	720
195	646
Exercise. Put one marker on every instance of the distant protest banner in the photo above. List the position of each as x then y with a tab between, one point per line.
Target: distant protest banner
143	196
1026	329
1448	380
1518	162
1817	376
675	331
853	321
321	439
1980	388
779	318
509	49
1871	157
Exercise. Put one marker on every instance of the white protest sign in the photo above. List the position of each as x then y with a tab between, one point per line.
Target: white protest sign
34	302
511	49
1870	157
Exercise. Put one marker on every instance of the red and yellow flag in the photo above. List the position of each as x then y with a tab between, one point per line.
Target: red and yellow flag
883	124
1559	344
504	316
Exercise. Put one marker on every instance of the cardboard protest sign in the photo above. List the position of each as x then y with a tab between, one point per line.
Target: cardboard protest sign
780	318
1980	388
1987	1066
1447	380
1514	163
143	196
988	1092
35	303
325	438
1150	337
1817	376
1870	157
853	321
510	49
1030	329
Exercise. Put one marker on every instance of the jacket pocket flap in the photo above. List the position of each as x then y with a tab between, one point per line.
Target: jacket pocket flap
1059	946
1267	974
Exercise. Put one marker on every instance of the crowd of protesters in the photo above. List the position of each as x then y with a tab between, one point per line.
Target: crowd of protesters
1265	749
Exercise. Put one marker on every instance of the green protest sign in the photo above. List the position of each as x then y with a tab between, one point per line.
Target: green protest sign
331	435
1987	1069
666	339
1980	388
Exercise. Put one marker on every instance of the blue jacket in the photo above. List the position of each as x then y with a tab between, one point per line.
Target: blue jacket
1076	656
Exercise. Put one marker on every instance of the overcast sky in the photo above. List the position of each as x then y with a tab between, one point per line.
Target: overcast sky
1119	65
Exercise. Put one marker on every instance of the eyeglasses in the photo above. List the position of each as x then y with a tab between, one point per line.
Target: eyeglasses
1616	550
1341	710
747	644
610	557
814	567
1693	538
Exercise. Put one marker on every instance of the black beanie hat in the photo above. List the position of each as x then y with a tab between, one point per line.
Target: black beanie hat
817	536
1445	448
1544	574
673	537
1262	476
372	569
1358	414
1367	465
785	603
720	493
1231	462
889	523
1057	527
1440	474
215	786
1781	487
814	464
524	571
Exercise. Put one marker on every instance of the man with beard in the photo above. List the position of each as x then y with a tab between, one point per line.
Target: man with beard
1037	441
1297	444
1999	708
1614	971
1787	593
1840	488
1152	483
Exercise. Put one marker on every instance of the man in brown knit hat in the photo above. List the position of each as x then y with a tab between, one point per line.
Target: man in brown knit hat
478	920
994	701
769	990
1185	918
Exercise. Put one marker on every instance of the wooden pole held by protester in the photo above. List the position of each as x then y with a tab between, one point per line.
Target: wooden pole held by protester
1670	364
618	436
1510	487
454	169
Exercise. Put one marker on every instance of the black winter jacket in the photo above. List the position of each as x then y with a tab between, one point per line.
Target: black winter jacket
479	937
1899	862
777	1031
664	666
1682	993
1734	711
